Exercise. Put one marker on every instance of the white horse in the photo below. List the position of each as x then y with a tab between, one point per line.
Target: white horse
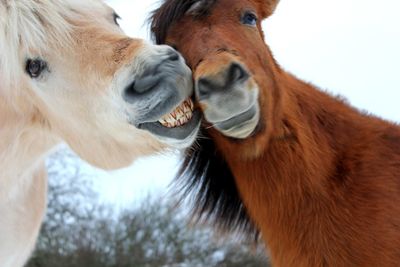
68	73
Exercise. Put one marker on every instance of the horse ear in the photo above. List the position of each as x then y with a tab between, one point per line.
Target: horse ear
268	7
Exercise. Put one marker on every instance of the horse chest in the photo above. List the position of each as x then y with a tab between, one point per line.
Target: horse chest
305	228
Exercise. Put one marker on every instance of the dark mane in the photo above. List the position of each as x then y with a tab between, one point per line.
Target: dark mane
207	180
170	12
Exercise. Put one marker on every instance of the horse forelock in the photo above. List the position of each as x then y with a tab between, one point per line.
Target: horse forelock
173	10
33	26
206	179
28	25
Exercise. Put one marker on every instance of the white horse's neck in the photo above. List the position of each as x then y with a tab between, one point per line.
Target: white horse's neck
24	143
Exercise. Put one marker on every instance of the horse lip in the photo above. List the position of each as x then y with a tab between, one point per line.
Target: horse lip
237	121
178	133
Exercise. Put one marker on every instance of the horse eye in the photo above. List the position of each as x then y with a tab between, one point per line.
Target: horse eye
116	18
35	67
249	18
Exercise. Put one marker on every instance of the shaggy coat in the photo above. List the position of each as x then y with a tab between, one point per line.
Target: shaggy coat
318	179
69	74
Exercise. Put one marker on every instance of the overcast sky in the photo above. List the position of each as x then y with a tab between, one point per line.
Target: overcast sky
347	47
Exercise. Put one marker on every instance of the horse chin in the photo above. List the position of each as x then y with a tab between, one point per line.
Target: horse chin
241	126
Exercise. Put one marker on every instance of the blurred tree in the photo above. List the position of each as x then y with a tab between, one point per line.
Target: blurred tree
79	232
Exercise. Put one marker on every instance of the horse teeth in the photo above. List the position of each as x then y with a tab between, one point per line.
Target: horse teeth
180	116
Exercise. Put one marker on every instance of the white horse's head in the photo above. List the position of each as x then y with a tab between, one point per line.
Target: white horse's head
66	67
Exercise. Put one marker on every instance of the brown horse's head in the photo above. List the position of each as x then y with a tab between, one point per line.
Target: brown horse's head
234	73
222	41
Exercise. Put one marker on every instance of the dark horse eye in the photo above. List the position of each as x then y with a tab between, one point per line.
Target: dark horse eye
249	18
35	67
116	18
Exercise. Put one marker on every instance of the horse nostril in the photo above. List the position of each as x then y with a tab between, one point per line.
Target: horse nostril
236	73
204	88
141	86
224	81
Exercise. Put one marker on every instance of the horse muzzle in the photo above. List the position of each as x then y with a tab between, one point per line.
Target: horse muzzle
161	97
228	96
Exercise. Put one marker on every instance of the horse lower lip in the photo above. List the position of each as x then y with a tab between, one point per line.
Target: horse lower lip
179	133
237	120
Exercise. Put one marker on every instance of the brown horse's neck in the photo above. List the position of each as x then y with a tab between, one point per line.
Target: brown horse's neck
293	189
310	130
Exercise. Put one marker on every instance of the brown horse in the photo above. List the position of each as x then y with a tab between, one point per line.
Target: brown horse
318	179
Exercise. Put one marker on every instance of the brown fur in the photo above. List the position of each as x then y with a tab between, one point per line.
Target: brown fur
320	180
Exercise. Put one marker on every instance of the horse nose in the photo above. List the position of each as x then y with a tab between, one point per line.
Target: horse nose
152	76
223	81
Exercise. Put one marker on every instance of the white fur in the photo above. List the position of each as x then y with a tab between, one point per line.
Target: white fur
77	101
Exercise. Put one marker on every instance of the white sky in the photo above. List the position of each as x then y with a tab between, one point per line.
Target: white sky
347	47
